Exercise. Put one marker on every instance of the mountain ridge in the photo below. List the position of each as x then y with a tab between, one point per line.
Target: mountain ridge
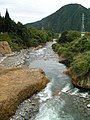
68	17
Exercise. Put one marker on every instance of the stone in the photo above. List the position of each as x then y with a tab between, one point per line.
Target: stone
33	104
5	48
16	85
1	55
88	105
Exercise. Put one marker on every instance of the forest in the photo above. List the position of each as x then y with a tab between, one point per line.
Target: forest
18	36
68	17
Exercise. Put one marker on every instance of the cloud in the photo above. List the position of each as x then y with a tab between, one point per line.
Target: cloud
33	10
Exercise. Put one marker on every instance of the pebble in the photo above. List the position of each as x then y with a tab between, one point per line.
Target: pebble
88	105
28	109
33	104
17	59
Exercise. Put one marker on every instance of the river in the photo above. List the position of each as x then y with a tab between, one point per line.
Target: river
59	100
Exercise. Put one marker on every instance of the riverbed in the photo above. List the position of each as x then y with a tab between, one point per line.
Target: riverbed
60	100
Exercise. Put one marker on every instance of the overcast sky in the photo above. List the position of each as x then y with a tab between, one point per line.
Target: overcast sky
27	11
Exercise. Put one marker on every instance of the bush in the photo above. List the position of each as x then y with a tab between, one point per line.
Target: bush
76	52
5	37
56	47
81	63
34	42
69	50
69	36
80	45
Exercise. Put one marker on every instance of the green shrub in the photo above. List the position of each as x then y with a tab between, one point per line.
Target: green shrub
56	47
80	45
69	36
34	42
15	47
73	48
5	37
81	63
76	52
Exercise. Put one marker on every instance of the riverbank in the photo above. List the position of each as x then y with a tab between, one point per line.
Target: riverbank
17	59
16	85
74	52
27	109
18	82
75	101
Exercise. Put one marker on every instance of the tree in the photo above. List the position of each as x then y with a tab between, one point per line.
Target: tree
69	36
7	15
7	22
63	37
0	15
2	24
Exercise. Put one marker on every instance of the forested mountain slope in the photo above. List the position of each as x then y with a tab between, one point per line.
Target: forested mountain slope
68	17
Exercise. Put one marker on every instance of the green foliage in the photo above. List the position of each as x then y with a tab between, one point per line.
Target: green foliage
13	44
80	45
34	42
37	37
7	22
15	47
69	36
5	37
2	24
7	15
81	63
19	36
76	52
63	37
56	47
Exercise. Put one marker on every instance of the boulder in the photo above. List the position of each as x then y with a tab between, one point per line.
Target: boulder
5	48
16	85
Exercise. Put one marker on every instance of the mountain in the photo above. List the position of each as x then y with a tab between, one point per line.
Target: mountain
68	17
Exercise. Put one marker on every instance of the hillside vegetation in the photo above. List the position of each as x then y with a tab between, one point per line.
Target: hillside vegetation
67	17
18	36
74	51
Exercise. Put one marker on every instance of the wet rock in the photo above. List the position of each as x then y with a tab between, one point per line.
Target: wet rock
88	105
16	85
33	104
27	109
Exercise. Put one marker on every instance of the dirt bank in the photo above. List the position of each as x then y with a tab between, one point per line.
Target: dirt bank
16	85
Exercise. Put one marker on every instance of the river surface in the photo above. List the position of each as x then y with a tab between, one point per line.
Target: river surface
59	100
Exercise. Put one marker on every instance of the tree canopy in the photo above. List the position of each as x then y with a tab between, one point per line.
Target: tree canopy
21	37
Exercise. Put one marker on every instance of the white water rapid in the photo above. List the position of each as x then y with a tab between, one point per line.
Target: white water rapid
59	100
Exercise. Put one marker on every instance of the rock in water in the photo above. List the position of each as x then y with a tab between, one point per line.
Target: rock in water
5	48
88	105
16	85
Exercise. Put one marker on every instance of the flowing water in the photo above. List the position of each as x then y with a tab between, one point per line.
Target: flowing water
59	100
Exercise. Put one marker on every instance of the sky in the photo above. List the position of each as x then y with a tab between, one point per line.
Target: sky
27	11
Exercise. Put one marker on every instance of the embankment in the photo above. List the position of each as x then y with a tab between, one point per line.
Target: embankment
74	52
16	85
